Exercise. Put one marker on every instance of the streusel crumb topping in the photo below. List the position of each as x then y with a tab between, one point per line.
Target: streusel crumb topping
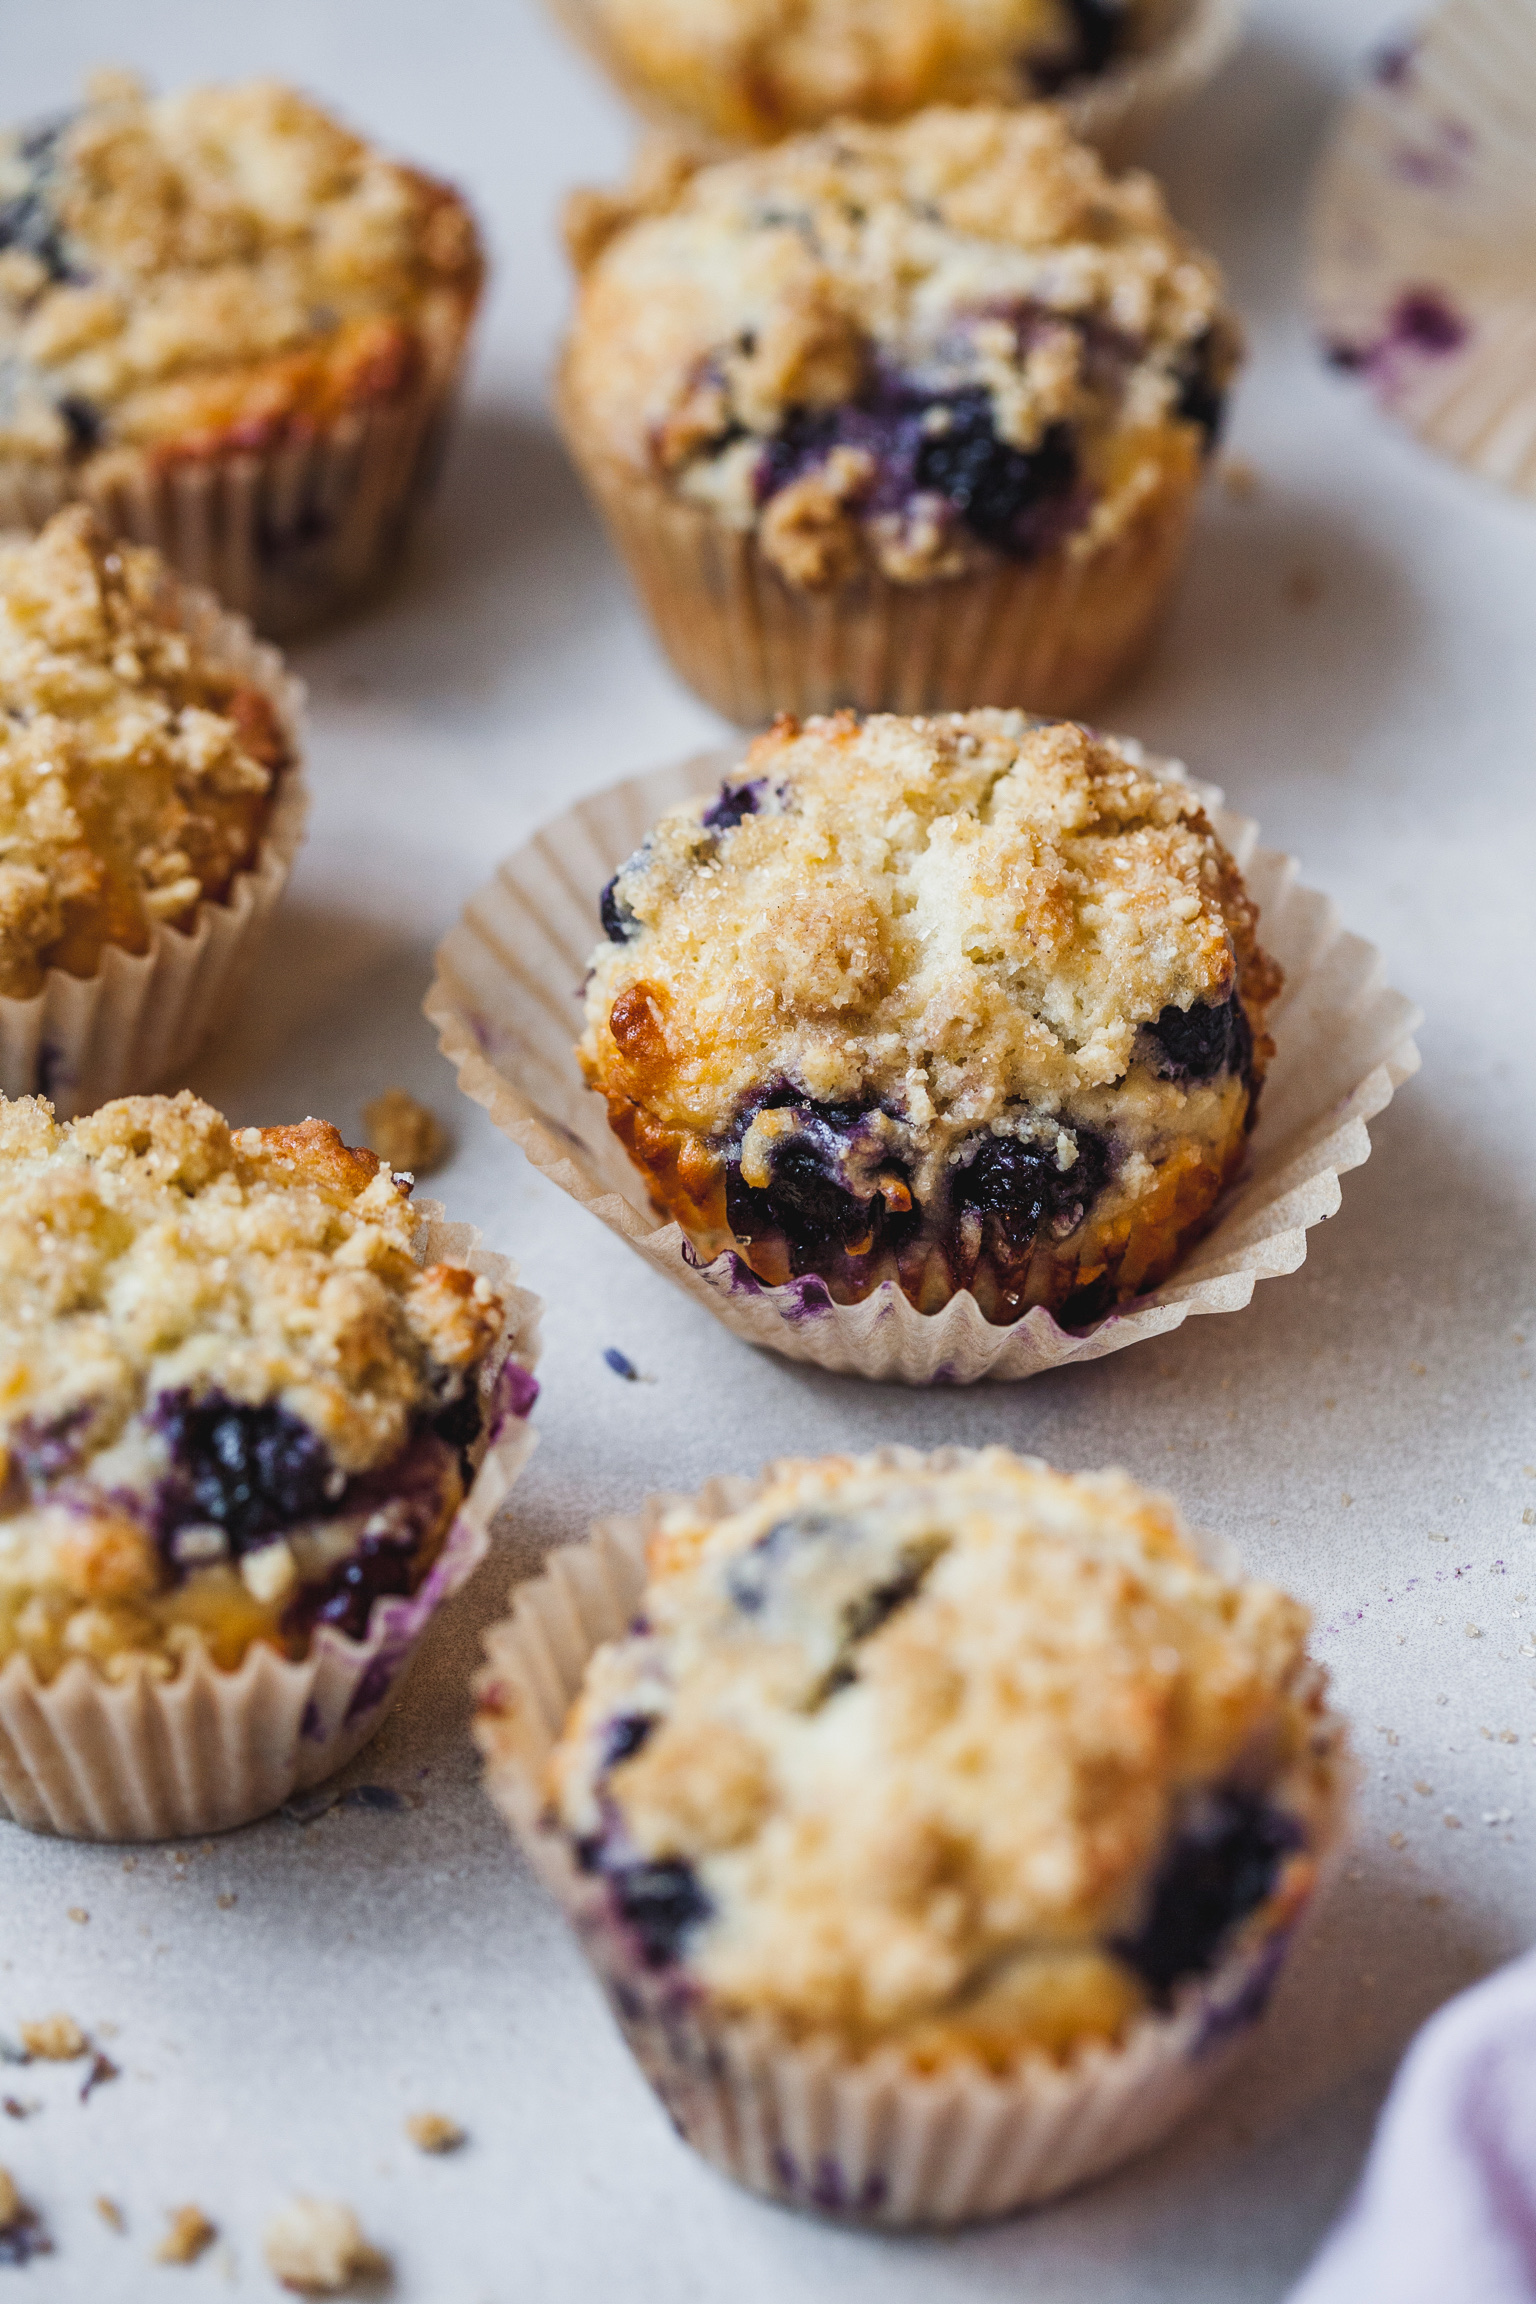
922	1741
178	267
233	1401
754	73
135	774
790	339
963	919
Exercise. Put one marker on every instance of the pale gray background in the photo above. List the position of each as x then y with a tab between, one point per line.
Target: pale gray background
374	1963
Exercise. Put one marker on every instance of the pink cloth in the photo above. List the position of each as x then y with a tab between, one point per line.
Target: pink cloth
1446	2211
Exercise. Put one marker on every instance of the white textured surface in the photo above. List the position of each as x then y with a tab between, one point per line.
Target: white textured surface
379	1963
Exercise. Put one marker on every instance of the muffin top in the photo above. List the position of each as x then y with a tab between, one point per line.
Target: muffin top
212	1341
175	270
940	1755
149	1250
752	70
916	342
961	921
136	772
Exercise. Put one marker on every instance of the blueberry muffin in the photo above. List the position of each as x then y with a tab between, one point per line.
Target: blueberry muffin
962	1003
975	1763
903	418
752	71
232	326
138	769
235	1406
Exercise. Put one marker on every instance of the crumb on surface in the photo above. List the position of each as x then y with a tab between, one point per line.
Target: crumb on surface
58	2039
405	1134
1240	480
434	2132
79	1914
188	2235
227	1902
316	2248
110	2213
10	2201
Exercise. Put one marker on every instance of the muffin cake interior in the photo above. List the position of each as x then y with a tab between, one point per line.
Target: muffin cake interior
969	1002
914	350
974	1762
136	775
234	1405
222	266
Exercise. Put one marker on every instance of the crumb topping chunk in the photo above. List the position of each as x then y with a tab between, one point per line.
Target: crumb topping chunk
922	1755
136	773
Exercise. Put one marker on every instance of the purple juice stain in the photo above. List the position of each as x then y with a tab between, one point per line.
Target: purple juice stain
1426	321
1392	65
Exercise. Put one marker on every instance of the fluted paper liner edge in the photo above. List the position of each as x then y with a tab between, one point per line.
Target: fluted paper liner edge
1116	111
337	501
210	1749
507	1005
139	1020
805	2124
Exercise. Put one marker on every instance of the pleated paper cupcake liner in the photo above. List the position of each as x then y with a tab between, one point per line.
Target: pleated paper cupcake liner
1048	636
1188	41
805	2123
1422	276
507	1004
138	1021
148	1759
287	534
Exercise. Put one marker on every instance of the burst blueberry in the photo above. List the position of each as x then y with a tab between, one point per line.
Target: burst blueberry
1222	1866
253	1471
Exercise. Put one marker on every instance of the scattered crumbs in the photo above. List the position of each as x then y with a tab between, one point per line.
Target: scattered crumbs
187	2235
1303	588
226	1902
58	2039
1442	1699
79	1914
1240	479
1474	1631
206	1849
1528	1647
1426	1790
1390	1734
434	2132
316	2248
14	2109
1433	1903
1435	1537
1528	1517
102	2069
1397	1840
1451	1822
405	1134
130	1863
1330	1403
1417	1368
1498	1815
110	2213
